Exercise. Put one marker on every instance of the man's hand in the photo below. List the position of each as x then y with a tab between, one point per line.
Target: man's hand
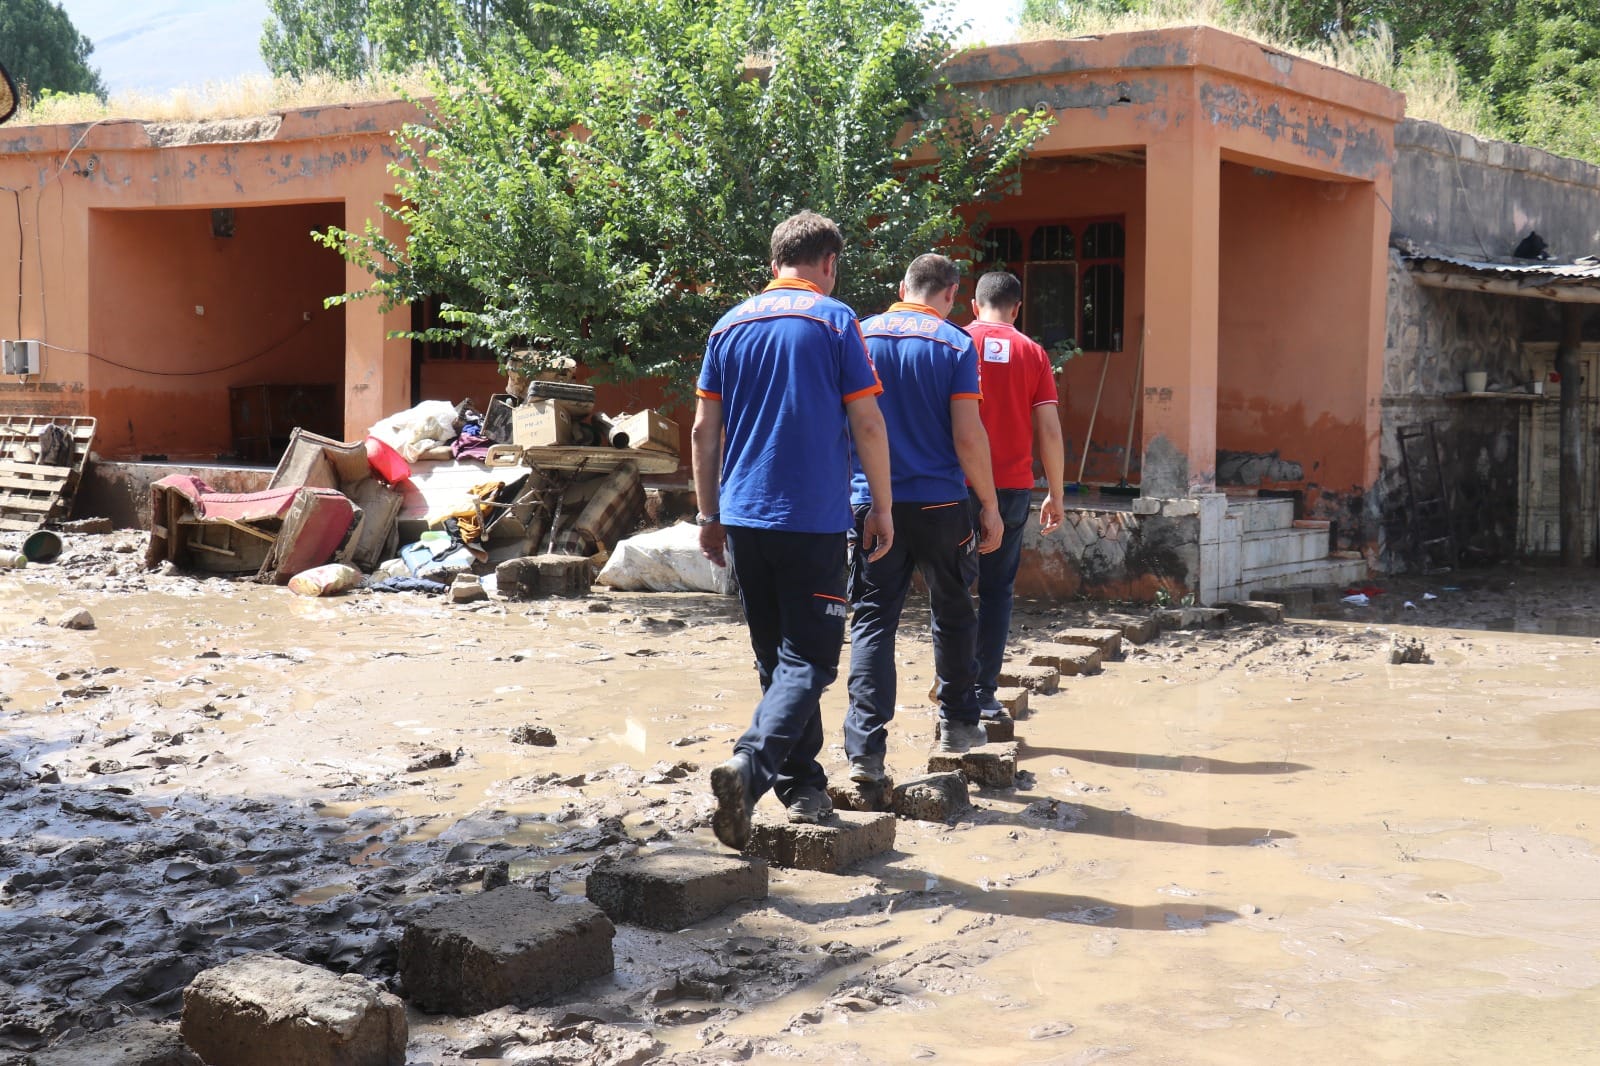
713	541
877	533
990	529
1050	514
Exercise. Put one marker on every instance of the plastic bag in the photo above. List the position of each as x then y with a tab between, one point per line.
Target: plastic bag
665	560
329	579
430	419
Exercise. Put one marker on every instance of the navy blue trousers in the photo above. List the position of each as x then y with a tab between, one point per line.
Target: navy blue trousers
937	541
997	574
792	587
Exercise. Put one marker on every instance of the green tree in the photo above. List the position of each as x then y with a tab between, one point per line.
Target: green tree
304	37
607	202
348	38
1544	83
44	51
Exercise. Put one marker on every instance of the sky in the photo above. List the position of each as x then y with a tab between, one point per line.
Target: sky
153	46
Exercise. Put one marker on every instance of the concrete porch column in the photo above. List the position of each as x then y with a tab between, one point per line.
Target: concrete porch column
377	368
1183	187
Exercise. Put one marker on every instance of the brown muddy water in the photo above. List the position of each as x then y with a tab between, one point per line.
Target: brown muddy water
1257	845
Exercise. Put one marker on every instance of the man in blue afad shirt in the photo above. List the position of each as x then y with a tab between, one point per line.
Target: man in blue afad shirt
937	447
785	386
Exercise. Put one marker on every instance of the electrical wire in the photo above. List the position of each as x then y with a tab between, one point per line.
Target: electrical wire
183	373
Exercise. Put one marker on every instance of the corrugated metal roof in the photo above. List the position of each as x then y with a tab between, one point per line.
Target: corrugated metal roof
1584	269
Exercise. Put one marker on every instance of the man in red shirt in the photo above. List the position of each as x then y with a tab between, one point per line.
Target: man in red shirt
1020	413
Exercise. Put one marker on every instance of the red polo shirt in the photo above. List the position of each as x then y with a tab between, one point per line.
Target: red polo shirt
1016	377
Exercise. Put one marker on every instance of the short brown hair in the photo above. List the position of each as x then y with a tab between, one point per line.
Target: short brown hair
805	239
931	274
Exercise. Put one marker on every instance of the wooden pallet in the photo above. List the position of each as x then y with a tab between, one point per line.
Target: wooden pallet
30	492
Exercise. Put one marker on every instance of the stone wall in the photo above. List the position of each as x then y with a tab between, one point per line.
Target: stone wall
1433	338
1113	555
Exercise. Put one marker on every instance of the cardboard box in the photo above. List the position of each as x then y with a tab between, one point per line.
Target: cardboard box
538	423
647	429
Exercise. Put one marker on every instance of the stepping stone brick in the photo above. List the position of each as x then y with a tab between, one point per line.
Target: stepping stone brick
1043	680
1135	628
1254	611
932	797
1014	700
510	946
843	840
674	888
848	795
133	1044
991	766
1170	618
1001	728
266	1010
1073	660
1107	641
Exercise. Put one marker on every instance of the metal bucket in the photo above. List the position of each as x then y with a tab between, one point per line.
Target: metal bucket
41	546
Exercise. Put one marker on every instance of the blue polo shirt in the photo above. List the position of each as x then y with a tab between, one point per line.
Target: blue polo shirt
925	362
783	364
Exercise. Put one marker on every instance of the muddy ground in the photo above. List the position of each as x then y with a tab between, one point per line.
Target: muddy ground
1235	847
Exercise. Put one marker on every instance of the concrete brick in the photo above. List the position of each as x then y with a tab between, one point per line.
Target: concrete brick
673	888
844	840
1171	618
1253	611
991	766
1044	680
1146	505
1072	660
932	797
1108	641
1014	700
540	576
266	1010
510	946
133	1044
1135	628
1182	507
1000	728
850	795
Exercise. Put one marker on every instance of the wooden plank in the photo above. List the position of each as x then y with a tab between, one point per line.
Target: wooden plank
31	484
19	525
598	460
26	503
11	466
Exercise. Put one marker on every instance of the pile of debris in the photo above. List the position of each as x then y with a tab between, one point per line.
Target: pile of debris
433	492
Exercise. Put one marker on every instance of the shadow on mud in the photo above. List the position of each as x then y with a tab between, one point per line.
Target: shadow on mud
1186	764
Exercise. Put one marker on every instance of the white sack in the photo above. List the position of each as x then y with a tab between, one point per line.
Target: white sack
665	560
435	419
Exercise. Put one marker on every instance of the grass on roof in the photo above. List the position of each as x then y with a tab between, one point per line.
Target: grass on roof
1431	84
246	97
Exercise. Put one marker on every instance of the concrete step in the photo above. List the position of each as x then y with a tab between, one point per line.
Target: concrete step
1323	572
991	766
1072	660
1261	515
1281	546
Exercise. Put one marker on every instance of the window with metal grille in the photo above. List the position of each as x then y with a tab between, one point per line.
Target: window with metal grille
1000	248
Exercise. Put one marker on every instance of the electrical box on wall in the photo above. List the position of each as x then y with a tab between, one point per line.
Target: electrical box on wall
20	357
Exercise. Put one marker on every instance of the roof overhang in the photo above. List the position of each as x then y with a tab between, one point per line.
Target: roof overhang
1575	282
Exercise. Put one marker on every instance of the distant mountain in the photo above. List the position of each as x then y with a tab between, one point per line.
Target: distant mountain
153	46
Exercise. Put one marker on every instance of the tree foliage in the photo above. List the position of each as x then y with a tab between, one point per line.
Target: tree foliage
348	38
44	51
609	200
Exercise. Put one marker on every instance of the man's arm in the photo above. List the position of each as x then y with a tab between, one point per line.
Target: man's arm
972	448
706	449
1052	453
871	439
